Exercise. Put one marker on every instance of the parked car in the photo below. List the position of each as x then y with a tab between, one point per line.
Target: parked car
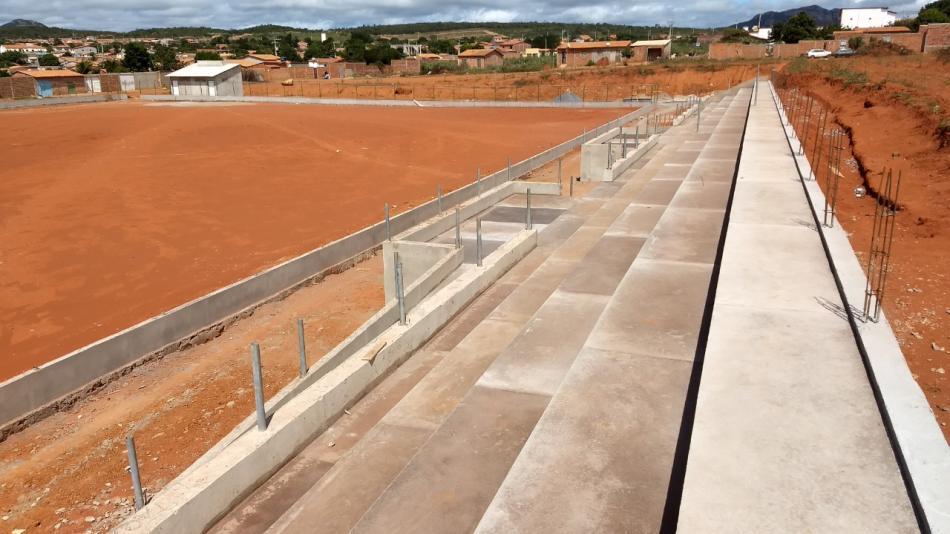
818	52
844	51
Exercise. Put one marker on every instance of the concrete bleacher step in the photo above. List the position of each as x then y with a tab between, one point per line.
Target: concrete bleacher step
600	458
366	435
430	453
450	407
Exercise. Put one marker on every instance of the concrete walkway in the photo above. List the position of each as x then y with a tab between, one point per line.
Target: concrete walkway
787	435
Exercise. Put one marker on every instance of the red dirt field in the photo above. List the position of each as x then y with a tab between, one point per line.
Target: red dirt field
893	120
113	213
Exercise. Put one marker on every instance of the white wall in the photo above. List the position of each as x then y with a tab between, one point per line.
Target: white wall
866	18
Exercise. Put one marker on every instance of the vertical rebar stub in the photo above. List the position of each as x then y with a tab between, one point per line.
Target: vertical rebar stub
478	241
458	228
134	471
258	378
301	348
400	290
527	214
389	235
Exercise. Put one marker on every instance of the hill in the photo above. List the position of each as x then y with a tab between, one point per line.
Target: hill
822	16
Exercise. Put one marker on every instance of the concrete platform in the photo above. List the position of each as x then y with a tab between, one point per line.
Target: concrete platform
787	436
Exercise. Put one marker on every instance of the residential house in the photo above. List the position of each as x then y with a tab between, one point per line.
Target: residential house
577	54
516	45
54	82
651	50
480	58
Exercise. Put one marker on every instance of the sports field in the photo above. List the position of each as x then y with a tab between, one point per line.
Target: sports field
113	213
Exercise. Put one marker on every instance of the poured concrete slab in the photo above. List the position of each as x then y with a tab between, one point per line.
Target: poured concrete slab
657	310
452	479
600	458
637	220
686	234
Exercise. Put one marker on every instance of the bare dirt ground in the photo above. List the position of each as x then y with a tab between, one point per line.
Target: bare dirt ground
893	109
67	473
589	83
113	213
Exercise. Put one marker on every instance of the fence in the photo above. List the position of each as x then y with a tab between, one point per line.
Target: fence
147	83
537	92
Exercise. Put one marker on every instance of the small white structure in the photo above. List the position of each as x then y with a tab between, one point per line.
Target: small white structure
207	78
867	17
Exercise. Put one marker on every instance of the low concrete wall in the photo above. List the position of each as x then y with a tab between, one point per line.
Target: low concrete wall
40	391
921	448
391	103
194	500
416	259
58	100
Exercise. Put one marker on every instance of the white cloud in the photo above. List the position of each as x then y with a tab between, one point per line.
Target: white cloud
107	15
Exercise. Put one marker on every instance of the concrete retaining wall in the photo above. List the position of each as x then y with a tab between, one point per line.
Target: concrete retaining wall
39	391
921	448
194	500
56	101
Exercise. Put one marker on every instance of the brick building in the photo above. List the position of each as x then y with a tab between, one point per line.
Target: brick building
54	82
479	58
599	52
651	50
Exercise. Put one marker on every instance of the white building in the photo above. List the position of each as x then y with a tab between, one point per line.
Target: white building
867	17
207	78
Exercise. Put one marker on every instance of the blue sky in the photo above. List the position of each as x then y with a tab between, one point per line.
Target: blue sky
131	14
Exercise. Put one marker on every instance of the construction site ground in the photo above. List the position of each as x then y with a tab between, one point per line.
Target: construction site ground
72	466
894	110
140	208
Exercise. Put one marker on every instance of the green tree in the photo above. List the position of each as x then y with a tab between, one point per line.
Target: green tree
112	65
317	49
799	27
941	5
84	67
546	40
137	58
287	48
48	60
164	58
207	55
932	16
12	58
381	54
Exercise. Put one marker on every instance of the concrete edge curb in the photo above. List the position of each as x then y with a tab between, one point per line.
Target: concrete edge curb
392	103
920	444
195	499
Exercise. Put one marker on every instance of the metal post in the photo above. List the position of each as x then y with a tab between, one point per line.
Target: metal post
699	113
478	241
389	236
636	140
438	194
559	160
302	348
509	168
804	137
400	292
458	228
478	181
623	146
258	386
527	214
134	471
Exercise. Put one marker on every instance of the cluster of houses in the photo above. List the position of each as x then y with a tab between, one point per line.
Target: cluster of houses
225	76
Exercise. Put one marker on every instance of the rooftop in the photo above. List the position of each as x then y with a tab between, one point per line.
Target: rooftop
203	69
654	42
479	52
595	44
50	73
